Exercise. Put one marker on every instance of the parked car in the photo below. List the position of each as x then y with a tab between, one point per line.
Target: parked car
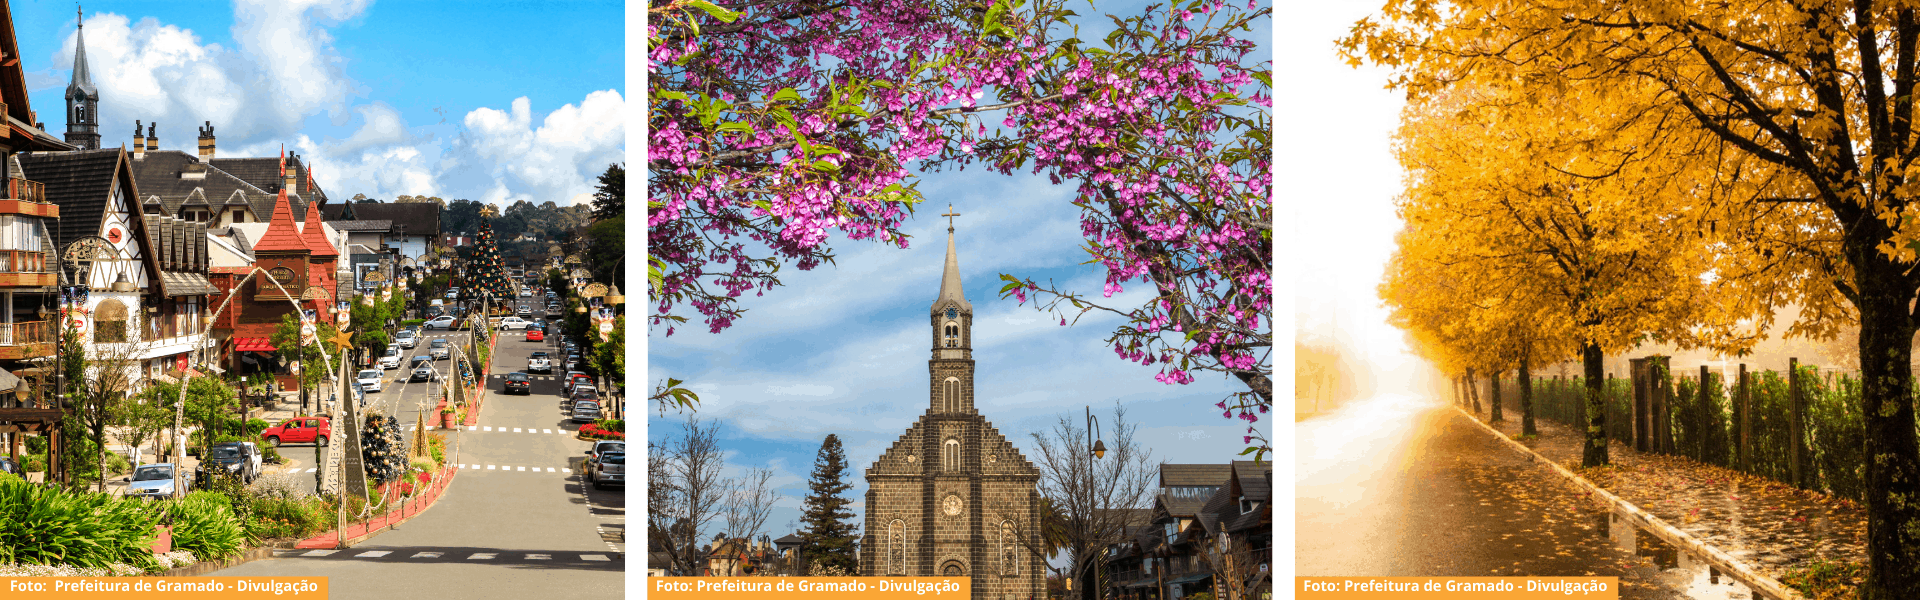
299	430
422	368
586	411
406	339
154	481
369	380
575	377
439	349
606	469
583	392
574	361
442	322
534	334
519	382
513	323
390	360
240	459
605	446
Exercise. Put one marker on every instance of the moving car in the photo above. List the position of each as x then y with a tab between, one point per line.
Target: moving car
606	469
406	339
390	360
453	295
422	368
525	311
439	349
154	481
441	322
369	380
240	459
512	323
299	430
535	335
586	411
540	362
519	382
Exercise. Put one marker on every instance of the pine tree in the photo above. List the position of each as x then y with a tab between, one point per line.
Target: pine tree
827	541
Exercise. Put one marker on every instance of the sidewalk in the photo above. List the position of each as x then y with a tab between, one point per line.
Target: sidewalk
1778	530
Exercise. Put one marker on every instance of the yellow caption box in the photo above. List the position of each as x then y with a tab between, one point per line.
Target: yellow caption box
863	588
180	588
1502	588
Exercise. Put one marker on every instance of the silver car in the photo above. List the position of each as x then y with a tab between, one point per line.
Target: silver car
586	411
605	469
406	339
422	368
369	380
438	349
155	481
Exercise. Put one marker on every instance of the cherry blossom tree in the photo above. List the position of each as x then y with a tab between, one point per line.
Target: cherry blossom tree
772	125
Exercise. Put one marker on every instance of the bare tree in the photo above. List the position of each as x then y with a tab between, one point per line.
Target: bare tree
685	492
1093	499
750	503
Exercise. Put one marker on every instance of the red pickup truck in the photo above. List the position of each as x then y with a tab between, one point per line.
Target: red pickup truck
299	430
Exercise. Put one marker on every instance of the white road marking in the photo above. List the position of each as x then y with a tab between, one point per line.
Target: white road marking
489	467
516	430
565	470
373	554
486	429
319	552
549	469
539	557
523	468
482	556
599	557
313	469
426	555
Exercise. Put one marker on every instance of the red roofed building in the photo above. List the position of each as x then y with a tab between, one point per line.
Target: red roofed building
298	268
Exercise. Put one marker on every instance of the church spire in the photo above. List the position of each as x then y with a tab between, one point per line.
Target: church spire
950	291
83	99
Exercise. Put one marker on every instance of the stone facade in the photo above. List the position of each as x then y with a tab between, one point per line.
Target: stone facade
953	497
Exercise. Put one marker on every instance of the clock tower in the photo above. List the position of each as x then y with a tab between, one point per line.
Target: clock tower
953	497
83	100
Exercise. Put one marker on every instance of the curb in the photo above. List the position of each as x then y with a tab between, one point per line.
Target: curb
387	523
209	566
1715	557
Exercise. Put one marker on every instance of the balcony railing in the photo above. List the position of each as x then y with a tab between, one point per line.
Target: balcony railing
26	189
24	261
20	334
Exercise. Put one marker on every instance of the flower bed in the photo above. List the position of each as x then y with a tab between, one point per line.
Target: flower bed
592	431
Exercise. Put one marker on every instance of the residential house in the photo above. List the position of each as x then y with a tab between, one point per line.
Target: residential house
1209	530
415	226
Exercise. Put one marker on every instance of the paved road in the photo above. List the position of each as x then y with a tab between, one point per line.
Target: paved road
1399	487
518	505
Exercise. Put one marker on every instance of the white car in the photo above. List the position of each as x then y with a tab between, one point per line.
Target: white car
438	349
513	323
390	360
369	380
440	322
406	339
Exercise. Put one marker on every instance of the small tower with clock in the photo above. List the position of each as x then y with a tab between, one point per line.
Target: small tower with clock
953	497
83	99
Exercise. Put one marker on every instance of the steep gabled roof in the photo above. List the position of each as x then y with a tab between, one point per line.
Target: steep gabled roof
281	235
173	175
1190	475
420	218
79	182
264	173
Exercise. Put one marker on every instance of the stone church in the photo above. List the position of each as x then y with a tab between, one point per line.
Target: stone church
952	497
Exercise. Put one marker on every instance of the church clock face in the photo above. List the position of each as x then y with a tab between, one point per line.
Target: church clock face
953	313
951	505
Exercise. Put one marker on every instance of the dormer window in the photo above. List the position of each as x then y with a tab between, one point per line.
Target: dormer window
1246	506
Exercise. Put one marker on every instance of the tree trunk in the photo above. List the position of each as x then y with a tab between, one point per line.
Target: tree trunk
1893	452
1596	422
1526	397
1473	391
1493	395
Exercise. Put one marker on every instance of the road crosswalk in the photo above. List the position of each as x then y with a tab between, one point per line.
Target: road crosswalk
513	468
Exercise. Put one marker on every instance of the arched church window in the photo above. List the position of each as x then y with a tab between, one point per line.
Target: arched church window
950	395
897	548
953	335
1009	557
950	457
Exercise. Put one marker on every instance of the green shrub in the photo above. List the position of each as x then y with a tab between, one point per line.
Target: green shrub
612	425
6	477
204	524
33	463
117	464
282	516
40	525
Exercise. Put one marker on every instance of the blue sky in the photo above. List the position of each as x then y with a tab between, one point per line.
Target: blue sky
843	349
495	101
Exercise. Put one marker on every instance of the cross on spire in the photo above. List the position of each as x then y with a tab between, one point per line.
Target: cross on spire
950	215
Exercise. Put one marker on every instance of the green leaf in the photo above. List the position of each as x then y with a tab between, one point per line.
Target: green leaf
823	165
735	126
672	95
1264	77
787	94
717	12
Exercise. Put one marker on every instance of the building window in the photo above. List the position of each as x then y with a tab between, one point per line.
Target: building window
110	321
897	548
950	393
1173	531
1009	557
950	458
953	334
1246	506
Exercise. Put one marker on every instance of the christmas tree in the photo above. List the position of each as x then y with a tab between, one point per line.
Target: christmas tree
487	273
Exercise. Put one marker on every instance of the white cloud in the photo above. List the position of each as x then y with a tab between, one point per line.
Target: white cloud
285	70
800	390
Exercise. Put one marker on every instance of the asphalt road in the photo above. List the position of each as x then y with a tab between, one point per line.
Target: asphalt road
519	506
1401	487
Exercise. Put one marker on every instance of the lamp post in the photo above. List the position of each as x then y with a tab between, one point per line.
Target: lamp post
1096	449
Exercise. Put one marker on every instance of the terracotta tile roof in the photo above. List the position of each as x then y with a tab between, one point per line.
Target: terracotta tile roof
281	235
316	233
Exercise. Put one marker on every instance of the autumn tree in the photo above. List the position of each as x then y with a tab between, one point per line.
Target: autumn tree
1536	208
1820	97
